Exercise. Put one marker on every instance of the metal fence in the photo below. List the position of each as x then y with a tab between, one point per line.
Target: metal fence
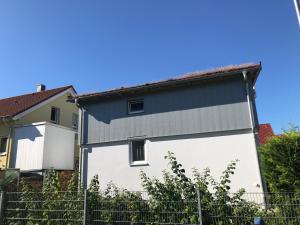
127	208
32	208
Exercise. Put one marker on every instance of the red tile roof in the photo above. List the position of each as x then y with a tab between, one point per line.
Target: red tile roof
12	106
183	79
265	132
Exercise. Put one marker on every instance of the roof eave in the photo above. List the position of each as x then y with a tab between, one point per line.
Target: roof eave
254	69
42	103
6	118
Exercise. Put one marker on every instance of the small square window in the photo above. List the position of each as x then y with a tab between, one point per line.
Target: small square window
3	144
137	152
55	115
135	106
75	121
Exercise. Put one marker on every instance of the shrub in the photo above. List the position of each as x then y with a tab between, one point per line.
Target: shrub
280	158
172	200
114	204
9	177
219	206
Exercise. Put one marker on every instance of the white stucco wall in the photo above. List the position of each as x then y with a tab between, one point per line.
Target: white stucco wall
111	162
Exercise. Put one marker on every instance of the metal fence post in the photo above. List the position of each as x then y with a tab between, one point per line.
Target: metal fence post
84	207
199	206
1	205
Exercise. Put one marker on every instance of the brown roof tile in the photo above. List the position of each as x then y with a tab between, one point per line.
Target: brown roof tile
14	105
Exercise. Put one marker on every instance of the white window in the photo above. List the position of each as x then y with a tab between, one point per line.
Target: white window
137	152
135	106
55	112
3	144
75	121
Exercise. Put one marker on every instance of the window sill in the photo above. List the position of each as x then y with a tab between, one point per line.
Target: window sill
3	153
135	112
139	163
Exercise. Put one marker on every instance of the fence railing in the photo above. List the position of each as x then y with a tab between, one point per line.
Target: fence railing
127	208
30	208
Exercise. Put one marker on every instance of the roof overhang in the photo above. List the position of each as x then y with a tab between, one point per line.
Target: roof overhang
70	90
5	119
190	79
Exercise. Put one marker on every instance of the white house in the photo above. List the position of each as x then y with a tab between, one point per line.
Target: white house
206	118
38	130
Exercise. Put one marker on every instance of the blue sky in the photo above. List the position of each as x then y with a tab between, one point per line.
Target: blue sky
103	44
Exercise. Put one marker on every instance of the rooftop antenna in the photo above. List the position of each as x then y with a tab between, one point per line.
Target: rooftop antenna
297	6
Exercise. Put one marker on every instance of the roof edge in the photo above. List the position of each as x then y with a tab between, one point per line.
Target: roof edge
216	73
45	101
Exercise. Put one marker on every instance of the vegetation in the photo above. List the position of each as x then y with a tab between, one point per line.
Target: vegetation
9	177
52	206
171	200
280	158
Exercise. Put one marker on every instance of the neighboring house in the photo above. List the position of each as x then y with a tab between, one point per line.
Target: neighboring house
206	118
265	132
37	130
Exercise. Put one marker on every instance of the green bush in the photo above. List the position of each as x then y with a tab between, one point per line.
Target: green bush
114	204
280	158
49	207
218	205
9	177
171	200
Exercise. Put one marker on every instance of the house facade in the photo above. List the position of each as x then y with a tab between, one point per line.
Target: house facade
37	130
206	118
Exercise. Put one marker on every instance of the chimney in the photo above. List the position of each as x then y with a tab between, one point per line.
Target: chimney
40	87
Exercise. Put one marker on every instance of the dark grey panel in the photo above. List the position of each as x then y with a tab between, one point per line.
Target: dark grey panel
207	108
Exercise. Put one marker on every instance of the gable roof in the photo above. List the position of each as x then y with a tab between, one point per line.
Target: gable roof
186	79
10	107
265	132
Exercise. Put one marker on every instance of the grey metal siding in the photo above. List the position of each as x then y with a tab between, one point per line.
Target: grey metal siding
211	107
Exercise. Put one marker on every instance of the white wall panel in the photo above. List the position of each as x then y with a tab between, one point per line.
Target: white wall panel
43	146
59	148
111	162
28	147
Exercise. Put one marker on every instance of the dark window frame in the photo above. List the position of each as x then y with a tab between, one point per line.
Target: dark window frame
135	101
132	155
3	149
75	126
57	115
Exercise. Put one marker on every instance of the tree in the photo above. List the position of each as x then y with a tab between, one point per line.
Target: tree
280	158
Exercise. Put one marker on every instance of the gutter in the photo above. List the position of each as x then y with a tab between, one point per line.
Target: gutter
9	148
248	99
158	86
245	75
81	148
